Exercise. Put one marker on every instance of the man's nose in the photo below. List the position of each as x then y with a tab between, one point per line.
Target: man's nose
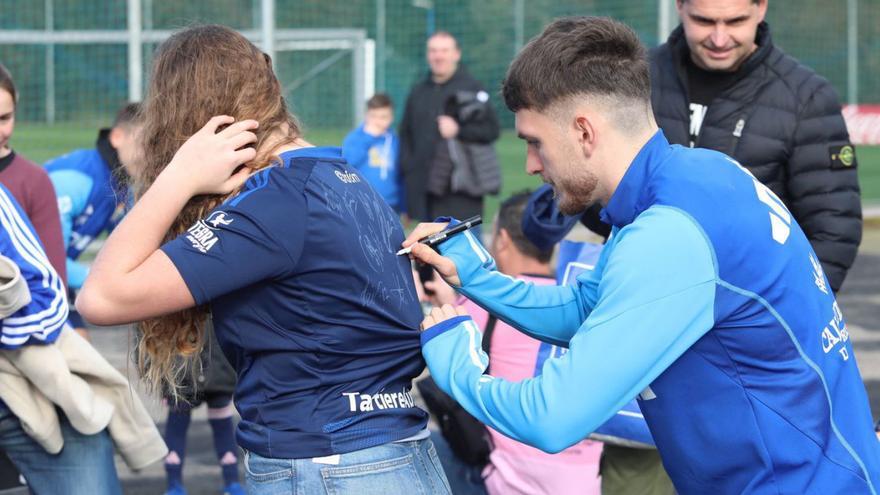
533	164
719	36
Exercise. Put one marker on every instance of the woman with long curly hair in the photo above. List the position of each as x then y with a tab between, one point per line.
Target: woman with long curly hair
293	254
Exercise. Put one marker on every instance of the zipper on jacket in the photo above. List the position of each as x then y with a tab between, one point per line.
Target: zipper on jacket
737	133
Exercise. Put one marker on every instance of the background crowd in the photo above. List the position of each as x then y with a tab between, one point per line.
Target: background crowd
719	82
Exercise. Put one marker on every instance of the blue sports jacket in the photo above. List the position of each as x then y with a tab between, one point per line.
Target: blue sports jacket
89	196
40	321
707	303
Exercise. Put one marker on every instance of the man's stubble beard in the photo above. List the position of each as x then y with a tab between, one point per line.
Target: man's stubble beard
577	195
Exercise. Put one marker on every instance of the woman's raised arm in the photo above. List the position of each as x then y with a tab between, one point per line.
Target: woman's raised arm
131	278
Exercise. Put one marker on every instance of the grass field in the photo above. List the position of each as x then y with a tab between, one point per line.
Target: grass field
40	142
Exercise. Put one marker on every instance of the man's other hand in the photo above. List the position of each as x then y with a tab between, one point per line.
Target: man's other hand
442	314
447	126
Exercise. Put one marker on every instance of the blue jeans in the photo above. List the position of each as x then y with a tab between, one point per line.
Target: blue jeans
83	467
389	469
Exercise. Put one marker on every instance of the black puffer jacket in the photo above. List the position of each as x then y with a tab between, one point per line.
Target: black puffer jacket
782	121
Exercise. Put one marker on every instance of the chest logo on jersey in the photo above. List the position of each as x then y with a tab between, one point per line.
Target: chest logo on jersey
818	274
202	236
377	157
836	333
347	177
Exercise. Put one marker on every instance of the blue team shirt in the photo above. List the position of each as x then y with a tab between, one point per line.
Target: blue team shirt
311	306
89	200
41	320
708	304
375	158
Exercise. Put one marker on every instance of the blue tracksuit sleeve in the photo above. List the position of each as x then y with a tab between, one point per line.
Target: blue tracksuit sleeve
548	313
656	295
39	321
72	189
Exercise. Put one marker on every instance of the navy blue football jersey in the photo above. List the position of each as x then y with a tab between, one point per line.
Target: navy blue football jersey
312	307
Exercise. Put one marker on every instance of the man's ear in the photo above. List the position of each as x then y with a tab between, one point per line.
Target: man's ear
116	137
586	133
503	241
762	10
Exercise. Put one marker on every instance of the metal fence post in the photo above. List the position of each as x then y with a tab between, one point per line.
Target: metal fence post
852	51
135	52
50	64
666	14
359	84
267	27
380	44
519	28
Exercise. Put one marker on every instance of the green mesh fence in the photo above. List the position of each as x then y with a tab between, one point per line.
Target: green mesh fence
86	82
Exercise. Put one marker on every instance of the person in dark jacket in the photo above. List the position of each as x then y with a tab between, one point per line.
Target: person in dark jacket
429	119
719	82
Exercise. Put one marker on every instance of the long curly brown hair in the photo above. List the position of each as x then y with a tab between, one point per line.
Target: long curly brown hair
200	72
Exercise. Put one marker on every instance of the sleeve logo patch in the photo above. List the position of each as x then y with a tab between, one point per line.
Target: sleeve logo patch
218	219
201	235
842	157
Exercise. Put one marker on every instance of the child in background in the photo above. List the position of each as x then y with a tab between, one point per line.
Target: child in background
211	383
372	149
92	190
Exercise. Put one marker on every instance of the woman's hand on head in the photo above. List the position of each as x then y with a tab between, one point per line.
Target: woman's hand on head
209	161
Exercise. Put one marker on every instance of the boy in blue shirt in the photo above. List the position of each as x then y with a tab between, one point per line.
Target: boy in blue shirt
92	189
372	149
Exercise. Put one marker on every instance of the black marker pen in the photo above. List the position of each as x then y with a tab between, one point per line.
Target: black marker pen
440	237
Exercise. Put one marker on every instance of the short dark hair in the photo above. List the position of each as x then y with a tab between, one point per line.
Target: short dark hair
510	217
578	55
127	115
379	100
444	34
7	83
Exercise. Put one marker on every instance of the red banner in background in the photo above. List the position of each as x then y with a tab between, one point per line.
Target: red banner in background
863	123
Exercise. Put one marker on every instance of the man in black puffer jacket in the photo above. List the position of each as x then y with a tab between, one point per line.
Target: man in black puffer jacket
720	83
430	117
